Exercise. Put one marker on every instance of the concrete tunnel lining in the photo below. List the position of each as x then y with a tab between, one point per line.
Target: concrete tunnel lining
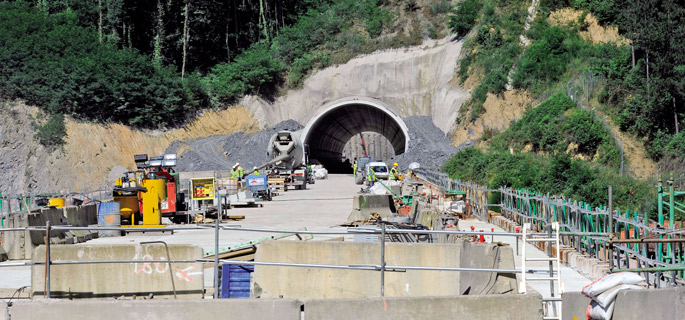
327	132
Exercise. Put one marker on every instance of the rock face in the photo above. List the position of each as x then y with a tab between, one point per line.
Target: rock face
415	81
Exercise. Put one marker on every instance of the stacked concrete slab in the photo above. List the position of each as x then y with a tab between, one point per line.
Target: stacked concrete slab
19	245
319	283
119	279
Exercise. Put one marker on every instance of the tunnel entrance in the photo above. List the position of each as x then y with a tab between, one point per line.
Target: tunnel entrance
327	133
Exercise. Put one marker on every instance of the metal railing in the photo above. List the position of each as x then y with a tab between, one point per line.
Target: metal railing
381	267
624	240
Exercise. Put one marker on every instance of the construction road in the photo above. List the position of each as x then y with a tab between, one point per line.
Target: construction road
322	207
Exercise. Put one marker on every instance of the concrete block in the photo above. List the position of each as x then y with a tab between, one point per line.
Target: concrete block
365	204
474	255
20	245
119	279
599	270
574	305
511	306
257	309
573	259
3	310
318	283
662	304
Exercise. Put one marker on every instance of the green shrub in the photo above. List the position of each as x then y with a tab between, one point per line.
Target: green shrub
51	61
52	132
584	130
440	7
464	17
545	61
676	146
557	175
250	73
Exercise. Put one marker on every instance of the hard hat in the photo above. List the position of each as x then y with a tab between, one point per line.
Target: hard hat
395	164
254	168
235	165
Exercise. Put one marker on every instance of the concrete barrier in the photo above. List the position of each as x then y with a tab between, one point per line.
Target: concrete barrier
574	304
19	245
365	204
119	279
319	283
481	255
495	307
662	304
3	310
252	309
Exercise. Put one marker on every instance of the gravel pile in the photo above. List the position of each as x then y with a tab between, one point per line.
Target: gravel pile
428	145
221	152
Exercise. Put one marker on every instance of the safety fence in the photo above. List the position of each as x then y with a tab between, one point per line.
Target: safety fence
625	240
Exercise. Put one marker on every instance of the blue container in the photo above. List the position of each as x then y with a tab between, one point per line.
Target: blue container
235	281
109	215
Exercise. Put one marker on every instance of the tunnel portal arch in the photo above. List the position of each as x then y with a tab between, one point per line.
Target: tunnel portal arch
327	132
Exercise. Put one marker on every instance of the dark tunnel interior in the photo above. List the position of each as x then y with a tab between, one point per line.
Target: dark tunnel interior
328	134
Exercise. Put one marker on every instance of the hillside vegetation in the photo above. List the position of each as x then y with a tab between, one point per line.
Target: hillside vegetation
557	147
157	64
644	94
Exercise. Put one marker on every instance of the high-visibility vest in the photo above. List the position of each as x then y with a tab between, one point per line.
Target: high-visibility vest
394	175
372	174
234	174
256	172
354	168
241	172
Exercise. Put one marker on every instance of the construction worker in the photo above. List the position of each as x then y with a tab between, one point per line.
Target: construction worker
234	172
354	168
394	173
241	172
255	171
372	176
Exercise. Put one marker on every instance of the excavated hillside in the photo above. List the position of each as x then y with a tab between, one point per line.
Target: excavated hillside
93	155
414	81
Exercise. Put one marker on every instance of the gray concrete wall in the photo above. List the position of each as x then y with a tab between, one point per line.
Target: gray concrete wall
662	304
253	309
19	245
119	279
493	307
319	283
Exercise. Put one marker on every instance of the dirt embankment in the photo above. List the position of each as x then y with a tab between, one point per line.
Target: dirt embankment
93	155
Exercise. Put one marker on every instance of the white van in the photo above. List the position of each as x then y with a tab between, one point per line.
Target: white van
379	168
